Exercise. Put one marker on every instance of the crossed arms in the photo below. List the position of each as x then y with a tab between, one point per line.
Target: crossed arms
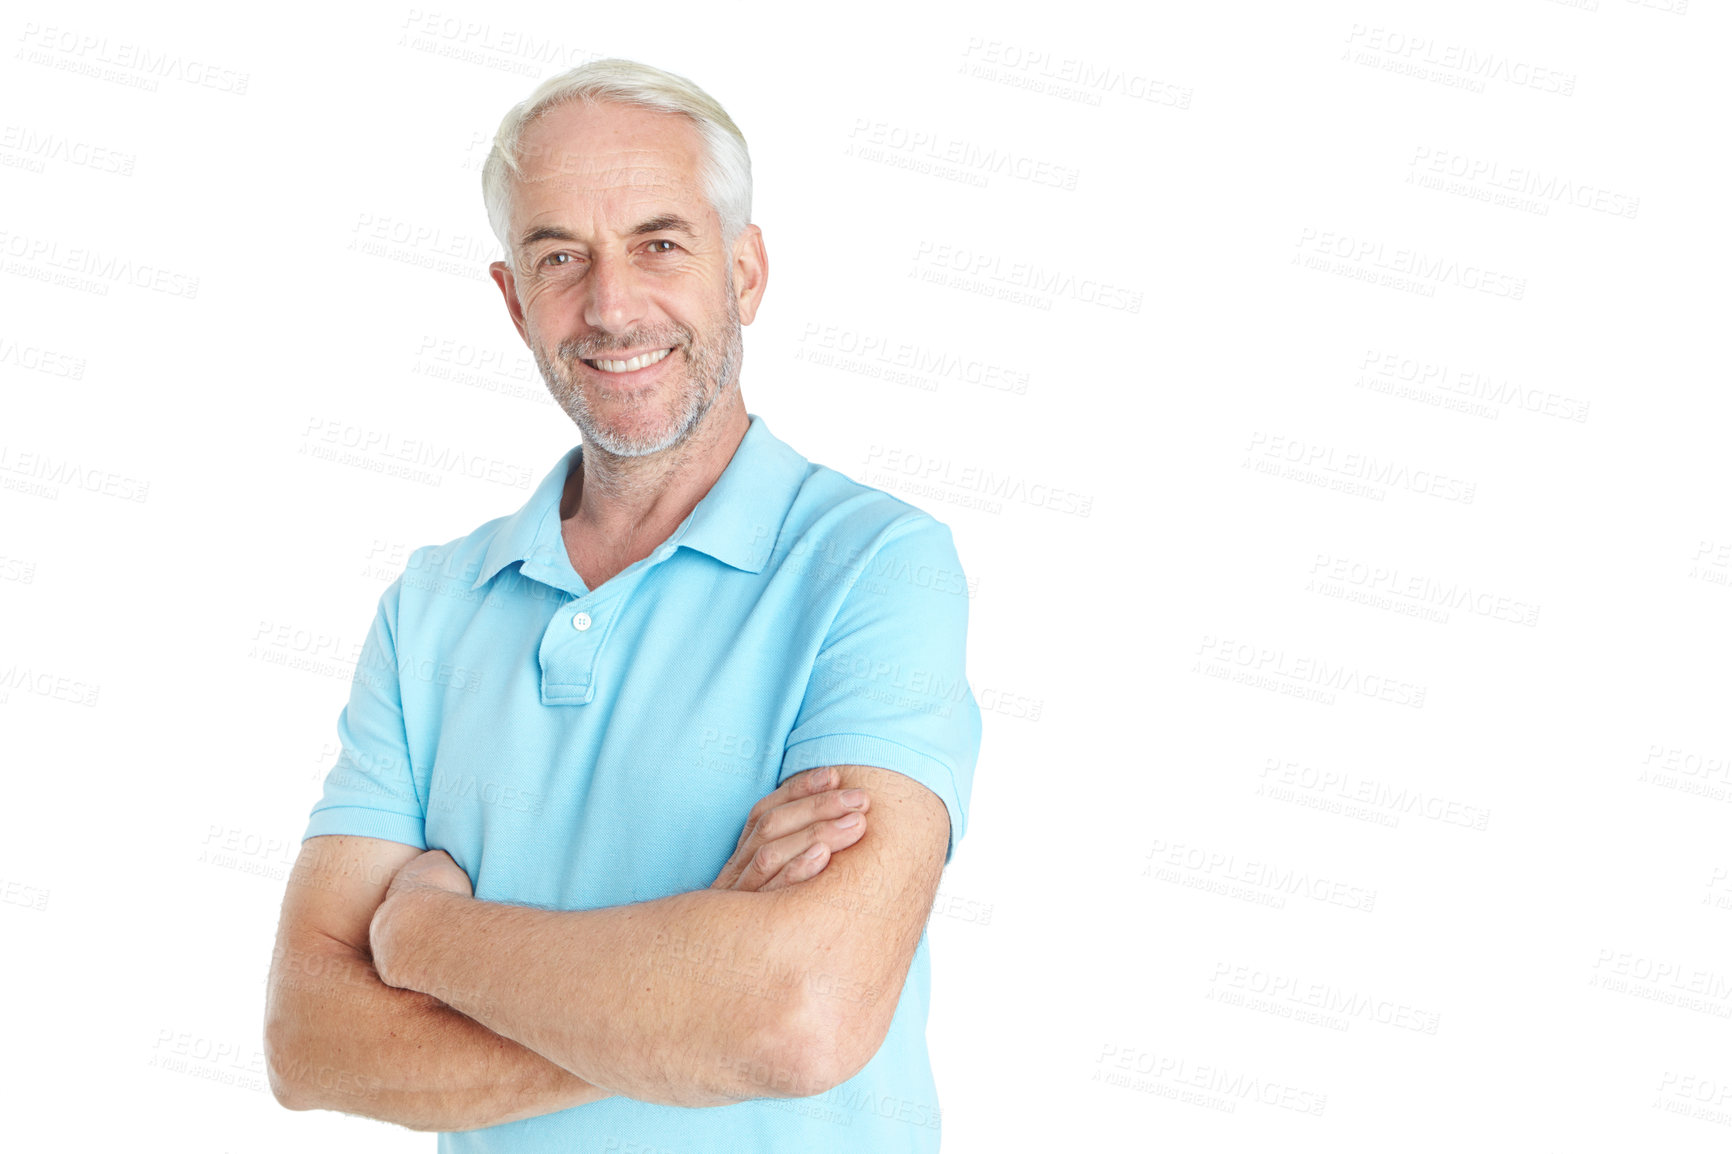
395	994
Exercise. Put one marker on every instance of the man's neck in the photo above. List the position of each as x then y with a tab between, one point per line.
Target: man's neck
616	510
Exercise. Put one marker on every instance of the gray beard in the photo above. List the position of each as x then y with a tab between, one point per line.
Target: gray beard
712	368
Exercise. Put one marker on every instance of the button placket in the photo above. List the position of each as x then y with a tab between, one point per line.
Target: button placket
569	647
575	637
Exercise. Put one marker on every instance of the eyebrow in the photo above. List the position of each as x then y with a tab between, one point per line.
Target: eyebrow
545	232
667	222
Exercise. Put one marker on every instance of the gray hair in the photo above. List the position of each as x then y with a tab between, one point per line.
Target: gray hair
725	167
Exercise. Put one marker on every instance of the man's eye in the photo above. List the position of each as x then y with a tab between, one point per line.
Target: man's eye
670	246
556	258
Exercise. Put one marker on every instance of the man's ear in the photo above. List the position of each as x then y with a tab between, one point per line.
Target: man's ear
501	273
751	271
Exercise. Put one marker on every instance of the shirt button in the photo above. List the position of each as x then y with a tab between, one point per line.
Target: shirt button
580	622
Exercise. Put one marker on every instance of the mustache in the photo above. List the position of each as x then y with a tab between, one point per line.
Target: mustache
591	347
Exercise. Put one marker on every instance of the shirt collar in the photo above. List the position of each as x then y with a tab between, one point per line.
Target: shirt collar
737	522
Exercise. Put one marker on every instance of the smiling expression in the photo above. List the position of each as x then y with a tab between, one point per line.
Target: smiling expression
619	281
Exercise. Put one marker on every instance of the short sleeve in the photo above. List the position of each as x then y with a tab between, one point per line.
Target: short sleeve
370	791
888	687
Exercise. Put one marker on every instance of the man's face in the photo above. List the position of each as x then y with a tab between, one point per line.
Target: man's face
618	278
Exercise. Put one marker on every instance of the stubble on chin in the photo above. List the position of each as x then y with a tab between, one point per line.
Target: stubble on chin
709	374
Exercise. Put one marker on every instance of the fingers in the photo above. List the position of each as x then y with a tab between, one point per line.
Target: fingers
800	855
800	785
807	808
803	784
803	868
826	806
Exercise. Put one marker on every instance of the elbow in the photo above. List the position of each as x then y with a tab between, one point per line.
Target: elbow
299	1083
817	1044
280	1069
816	1068
297	1080
286	1049
288	1096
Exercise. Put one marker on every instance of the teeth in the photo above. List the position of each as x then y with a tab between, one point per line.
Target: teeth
631	366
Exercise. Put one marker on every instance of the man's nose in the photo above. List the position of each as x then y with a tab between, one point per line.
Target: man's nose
615	299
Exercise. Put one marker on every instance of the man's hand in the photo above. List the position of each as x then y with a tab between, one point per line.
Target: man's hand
434	869
791	833
432	872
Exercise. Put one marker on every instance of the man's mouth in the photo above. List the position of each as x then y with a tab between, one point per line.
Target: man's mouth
641	361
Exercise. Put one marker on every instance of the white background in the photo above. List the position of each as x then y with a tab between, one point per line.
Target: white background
1308	816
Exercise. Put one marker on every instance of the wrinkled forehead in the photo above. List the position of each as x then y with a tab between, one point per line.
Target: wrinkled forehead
608	158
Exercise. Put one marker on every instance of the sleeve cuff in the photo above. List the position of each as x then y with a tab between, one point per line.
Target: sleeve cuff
858	749
359	821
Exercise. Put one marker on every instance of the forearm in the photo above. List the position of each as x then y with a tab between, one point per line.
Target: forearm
338	1038
682	1001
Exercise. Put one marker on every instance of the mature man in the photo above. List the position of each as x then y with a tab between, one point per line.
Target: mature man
645	789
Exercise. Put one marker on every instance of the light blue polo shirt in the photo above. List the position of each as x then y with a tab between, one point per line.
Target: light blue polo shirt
575	748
